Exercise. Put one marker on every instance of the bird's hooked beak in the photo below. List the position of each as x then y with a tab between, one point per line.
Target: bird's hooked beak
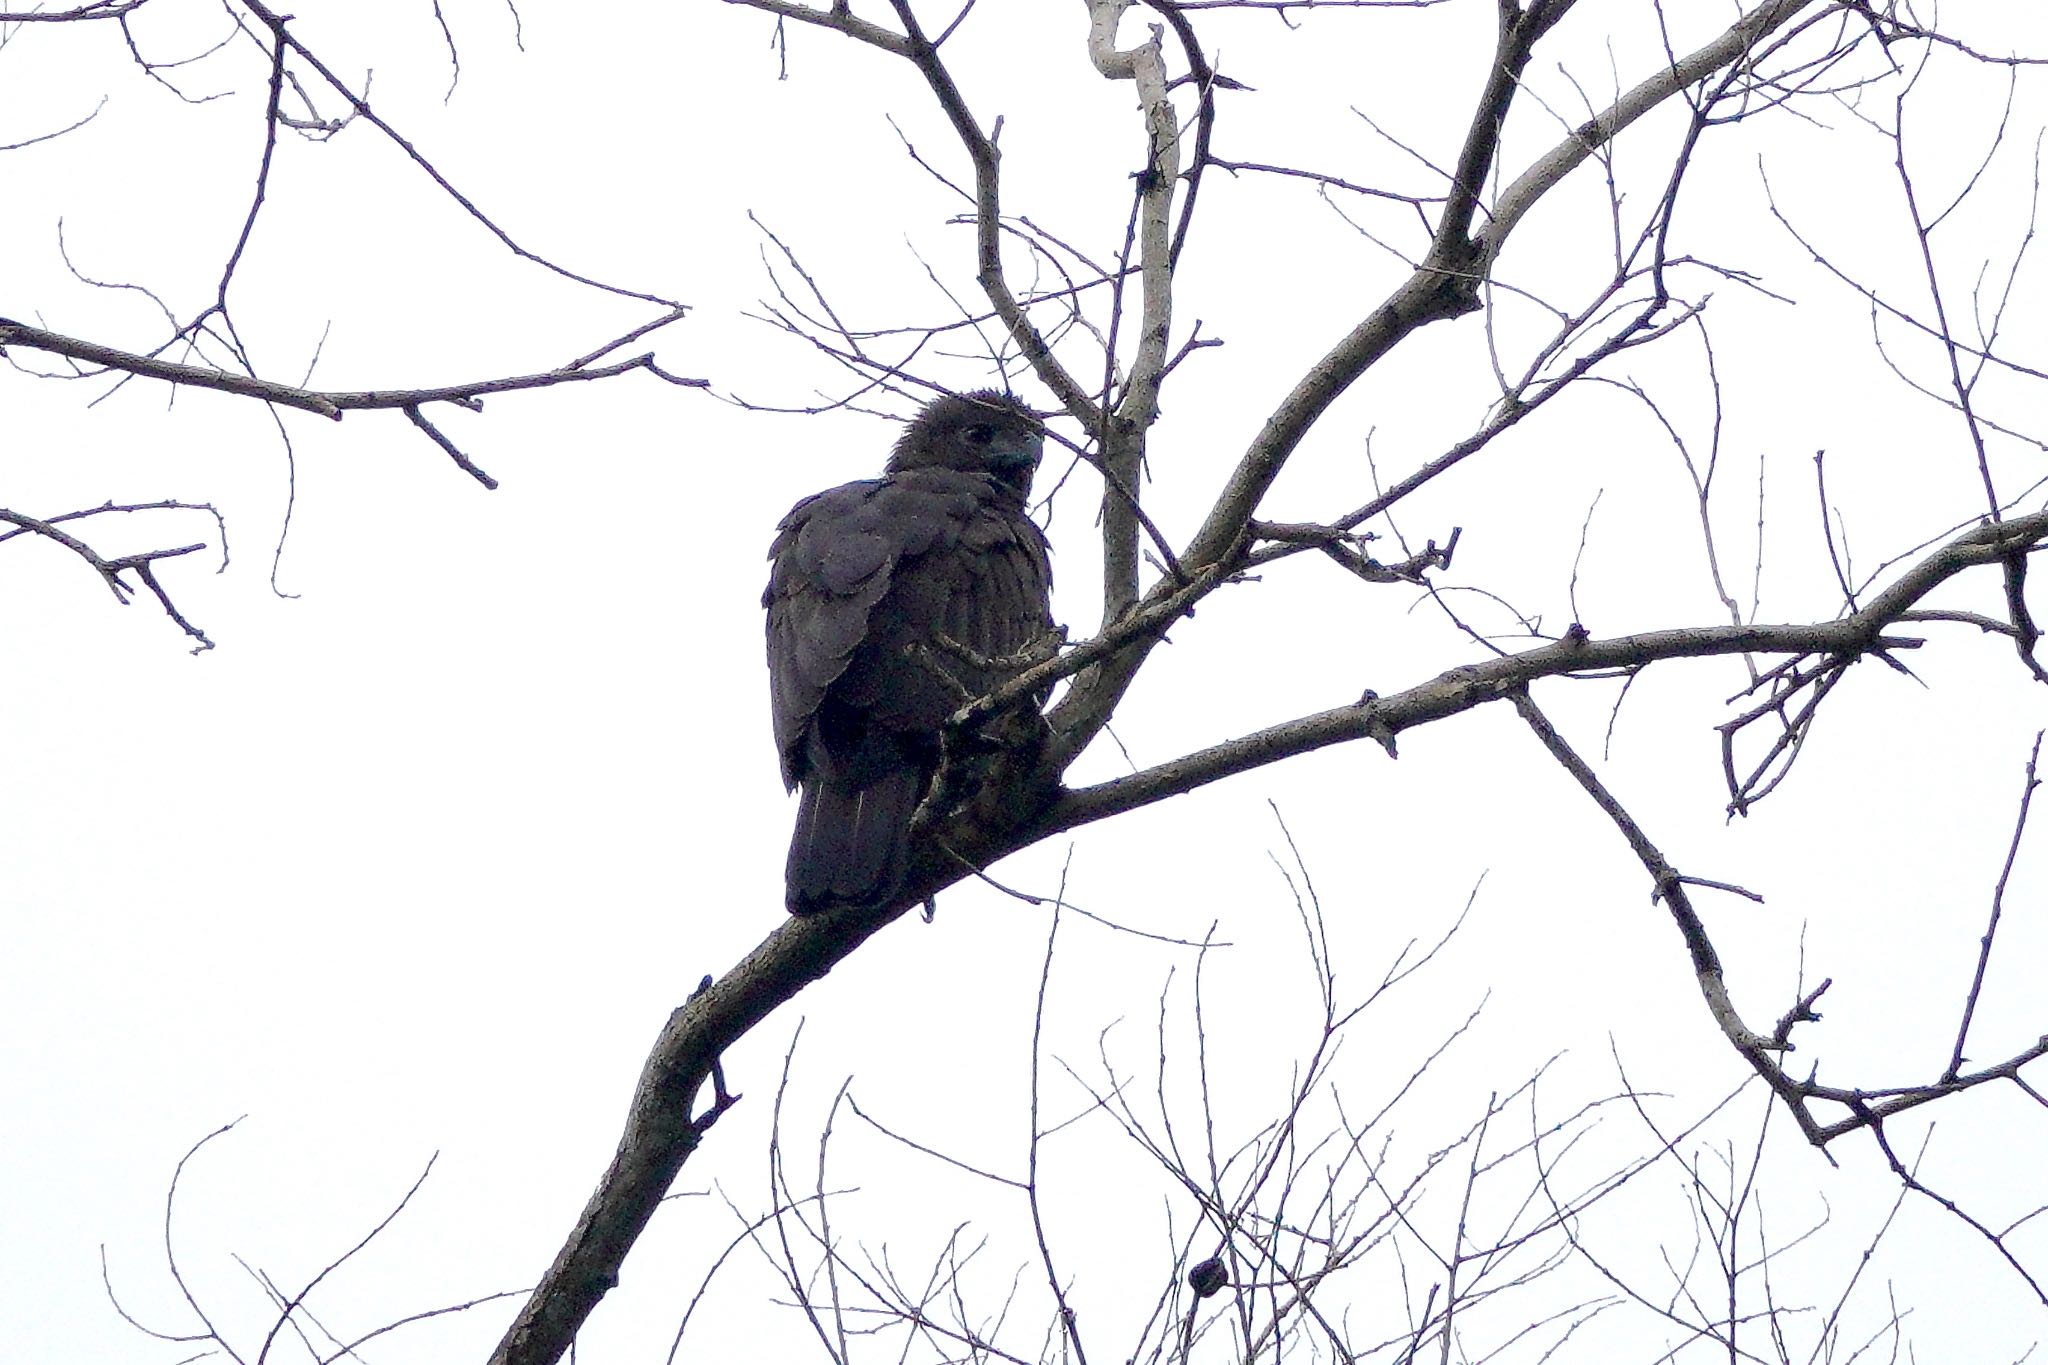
1015	451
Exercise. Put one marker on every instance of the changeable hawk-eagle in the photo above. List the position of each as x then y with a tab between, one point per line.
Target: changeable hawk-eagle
891	602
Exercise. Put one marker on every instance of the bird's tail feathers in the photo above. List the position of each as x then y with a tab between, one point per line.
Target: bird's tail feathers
850	843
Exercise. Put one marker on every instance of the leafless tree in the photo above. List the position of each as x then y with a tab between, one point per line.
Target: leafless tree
1105	338
1108	336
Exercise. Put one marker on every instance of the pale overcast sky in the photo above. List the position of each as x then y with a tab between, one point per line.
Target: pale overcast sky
477	785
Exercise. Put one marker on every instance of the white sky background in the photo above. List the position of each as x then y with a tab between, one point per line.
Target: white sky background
420	857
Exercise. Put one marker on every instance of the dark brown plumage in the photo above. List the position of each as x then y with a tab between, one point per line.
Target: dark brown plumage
865	580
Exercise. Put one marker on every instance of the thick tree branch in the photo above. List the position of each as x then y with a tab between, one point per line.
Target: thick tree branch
1459	689
1123	440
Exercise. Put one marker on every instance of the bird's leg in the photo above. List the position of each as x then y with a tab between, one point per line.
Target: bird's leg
1037	652
964	653
1046	646
1043	649
928	656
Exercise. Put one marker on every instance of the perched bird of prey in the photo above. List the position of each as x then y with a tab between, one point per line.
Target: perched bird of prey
892	602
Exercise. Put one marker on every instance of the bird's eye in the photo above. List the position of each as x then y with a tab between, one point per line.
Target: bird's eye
980	435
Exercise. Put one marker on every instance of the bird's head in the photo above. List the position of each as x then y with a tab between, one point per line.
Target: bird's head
984	432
